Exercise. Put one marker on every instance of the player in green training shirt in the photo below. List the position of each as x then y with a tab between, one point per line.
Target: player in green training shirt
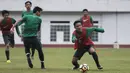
31	28
28	11
83	43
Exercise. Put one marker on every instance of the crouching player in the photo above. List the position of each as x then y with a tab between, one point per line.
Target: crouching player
31	28
83	43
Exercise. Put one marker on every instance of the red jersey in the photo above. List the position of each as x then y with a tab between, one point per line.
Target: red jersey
6	24
86	22
82	39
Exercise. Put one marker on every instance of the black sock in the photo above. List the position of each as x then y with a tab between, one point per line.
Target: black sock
7	53
29	60
95	57
75	63
41	57
28	56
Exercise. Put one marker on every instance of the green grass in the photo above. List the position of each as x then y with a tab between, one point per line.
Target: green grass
58	60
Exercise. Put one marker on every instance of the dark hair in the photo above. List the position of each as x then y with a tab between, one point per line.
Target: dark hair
28	2
37	9
4	12
85	10
77	21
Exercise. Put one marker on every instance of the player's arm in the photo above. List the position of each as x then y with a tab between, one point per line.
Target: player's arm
91	20
81	20
0	25
99	30
39	26
13	21
18	24
74	38
22	14
17	27
90	30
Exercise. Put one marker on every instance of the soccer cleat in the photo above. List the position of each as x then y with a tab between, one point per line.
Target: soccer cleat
43	68
100	67
42	65
8	61
30	63
76	67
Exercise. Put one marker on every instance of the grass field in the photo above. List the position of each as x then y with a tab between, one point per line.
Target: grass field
58	60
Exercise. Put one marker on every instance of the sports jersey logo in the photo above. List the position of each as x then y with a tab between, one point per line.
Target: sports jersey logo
85	20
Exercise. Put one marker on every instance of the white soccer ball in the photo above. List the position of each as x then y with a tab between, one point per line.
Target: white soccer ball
84	67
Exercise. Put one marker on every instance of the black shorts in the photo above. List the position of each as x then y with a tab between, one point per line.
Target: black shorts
9	39
80	52
32	42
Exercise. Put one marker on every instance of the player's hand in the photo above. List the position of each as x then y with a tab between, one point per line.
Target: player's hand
79	41
74	40
12	30
20	35
21	38
102	31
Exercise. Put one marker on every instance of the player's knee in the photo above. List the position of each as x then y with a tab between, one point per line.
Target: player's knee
7	49
7	45
91	50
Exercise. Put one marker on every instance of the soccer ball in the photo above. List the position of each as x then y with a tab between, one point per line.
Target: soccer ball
83	68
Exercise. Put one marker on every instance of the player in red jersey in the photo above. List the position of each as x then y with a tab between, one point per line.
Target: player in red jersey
5	25
86	20
83	43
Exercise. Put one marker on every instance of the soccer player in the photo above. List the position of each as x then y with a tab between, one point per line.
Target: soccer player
86	20
28	11
5	25
31	28
83	43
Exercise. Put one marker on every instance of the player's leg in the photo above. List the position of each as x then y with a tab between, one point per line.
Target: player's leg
40	52
11	39
27	45
75	63
77	56
95	57
33	52
33	49
7	52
